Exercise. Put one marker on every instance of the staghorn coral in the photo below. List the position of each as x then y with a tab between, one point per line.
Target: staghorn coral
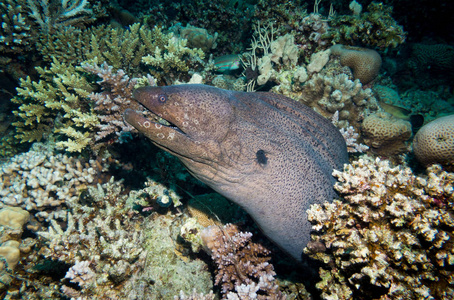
434	142
386	134
64	103
243	270
391	237
121	48
364	62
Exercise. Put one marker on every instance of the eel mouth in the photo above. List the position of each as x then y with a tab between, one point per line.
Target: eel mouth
141	117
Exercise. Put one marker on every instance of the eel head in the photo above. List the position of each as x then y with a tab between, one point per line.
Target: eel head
189	121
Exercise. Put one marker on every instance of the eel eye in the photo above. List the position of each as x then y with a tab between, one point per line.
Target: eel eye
261	157
162	98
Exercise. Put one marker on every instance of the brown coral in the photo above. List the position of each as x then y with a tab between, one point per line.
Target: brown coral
243	266
434	142
364	62
390	238
386	134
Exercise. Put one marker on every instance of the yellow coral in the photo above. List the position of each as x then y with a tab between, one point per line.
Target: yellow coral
58	103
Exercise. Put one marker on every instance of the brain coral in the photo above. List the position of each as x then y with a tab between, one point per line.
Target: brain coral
364	62
385	134
434	142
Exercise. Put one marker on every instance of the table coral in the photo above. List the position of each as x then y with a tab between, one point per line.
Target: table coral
391	237
434	142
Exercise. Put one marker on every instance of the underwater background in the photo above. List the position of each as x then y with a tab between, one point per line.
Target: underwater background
90	209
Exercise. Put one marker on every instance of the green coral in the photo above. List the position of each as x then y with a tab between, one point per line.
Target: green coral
392	237
373	28
174	55
57	103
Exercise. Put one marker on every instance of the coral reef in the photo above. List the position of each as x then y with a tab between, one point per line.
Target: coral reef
386	134
113	250
331	94
373	28
113	100
243	270
365	63
40	180
431	57
57	103
64	103
15	35
434	142
198	38
350	136
12	220
12	245
173	56
269	56
53	14
391	237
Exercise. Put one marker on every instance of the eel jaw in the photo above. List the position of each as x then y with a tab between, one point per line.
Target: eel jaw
144	124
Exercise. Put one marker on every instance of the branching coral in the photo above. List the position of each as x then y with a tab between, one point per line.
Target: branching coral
329	94
64	103
100	234
15	33
243	270
53	14
57	103
112	101
391	238
40	180
172	56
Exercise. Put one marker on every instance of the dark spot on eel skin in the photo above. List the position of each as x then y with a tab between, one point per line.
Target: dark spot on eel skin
215	131
261	157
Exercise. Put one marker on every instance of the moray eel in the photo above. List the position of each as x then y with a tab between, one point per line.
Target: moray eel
271	155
